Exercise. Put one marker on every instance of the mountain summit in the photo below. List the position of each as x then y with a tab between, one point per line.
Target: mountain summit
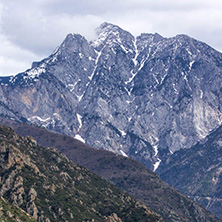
144	97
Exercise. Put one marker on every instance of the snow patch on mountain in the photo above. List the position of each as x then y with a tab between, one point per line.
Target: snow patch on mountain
78	137
156	164
35	72
123	154
122	133
79	97
79	117
39	118
191	64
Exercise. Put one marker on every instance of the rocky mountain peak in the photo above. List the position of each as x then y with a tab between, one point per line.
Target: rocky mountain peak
109	34
145	97
149	38
73	43
107	27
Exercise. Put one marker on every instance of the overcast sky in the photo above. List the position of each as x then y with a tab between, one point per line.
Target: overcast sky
30	30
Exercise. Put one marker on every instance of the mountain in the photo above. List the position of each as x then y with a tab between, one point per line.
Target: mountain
197	172
49	187
144	97
12	213
129	175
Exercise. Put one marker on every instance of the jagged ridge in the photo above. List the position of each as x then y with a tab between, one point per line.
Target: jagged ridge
146	96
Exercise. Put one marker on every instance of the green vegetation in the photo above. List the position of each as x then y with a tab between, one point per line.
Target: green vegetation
46	184
12	213
126	174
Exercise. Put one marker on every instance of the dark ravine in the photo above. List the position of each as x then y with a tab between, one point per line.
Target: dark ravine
144	96
51	188
197	172
125	173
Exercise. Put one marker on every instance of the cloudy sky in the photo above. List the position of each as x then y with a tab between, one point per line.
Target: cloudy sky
31	29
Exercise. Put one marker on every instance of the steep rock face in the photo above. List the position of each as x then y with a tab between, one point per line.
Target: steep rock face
197	172
49	187
144	97
125	173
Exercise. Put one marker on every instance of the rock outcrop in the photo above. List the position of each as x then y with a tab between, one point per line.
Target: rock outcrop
197	172
45	184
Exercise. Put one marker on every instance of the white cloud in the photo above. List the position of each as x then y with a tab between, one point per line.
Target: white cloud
33	29
15	66
14	59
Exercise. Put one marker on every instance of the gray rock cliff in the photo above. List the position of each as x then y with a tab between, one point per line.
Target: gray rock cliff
143	97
